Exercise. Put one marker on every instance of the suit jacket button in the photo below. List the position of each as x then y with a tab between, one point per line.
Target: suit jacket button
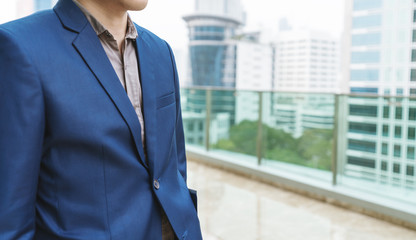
156	184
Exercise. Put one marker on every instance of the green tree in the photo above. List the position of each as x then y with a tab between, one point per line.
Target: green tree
315	146
277	138
242	138
312	149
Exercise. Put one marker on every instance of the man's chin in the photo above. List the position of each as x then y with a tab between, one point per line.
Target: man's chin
138	9
138	6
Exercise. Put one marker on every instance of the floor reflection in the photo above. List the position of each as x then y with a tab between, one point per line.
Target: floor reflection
232	207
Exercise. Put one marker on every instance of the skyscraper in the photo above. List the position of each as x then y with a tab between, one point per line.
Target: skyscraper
306	61
212	28
381	60
380	47
221	55
43	4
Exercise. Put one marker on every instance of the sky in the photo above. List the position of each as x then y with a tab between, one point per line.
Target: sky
164	17
7	10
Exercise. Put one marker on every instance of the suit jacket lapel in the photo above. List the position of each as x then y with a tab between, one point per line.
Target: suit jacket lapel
89	47
147	78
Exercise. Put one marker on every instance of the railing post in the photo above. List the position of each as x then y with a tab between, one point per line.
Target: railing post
260	130
208	105
335	133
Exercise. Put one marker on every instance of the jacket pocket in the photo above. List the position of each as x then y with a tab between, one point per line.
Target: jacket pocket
165	100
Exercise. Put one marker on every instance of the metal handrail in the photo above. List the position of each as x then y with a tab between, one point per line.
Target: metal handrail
366	95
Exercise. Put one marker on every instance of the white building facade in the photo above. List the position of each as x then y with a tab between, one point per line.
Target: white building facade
380	40
306	61
381	60
253	66
253	73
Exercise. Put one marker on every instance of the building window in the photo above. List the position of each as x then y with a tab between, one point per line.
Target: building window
361	162
360	5
410	170
399	91
363	128
412	114
413	92
414	35
397	132
363	146
209	29
207	37
413	55
384	149
410	153
413	75
396	168
366	57
366	39
414	15
384	166
364	75
362	110
397	150
385	130
366	21
207	64
386	111
411	133
364	90
399	112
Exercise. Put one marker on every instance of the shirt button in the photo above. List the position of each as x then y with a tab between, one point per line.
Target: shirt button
156	184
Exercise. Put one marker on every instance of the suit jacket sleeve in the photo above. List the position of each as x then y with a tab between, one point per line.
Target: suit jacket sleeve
21	138
180	141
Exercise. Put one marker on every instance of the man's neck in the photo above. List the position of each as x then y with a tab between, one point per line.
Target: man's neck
111	17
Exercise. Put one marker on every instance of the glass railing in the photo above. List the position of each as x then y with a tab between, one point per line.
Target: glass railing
363	142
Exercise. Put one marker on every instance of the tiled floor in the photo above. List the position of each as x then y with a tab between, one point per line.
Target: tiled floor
232	207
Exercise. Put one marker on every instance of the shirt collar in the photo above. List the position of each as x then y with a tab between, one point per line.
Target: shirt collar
131	29
99	29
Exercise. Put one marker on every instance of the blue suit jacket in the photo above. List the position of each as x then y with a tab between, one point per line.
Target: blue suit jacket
72	164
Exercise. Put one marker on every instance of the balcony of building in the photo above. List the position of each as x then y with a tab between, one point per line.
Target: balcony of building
275	165
236	207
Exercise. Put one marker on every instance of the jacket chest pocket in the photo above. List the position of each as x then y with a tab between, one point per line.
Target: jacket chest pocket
165	100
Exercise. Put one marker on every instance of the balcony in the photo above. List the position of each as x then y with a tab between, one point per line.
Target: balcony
349	150
233	207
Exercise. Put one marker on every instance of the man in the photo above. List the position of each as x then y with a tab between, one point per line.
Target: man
91	137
